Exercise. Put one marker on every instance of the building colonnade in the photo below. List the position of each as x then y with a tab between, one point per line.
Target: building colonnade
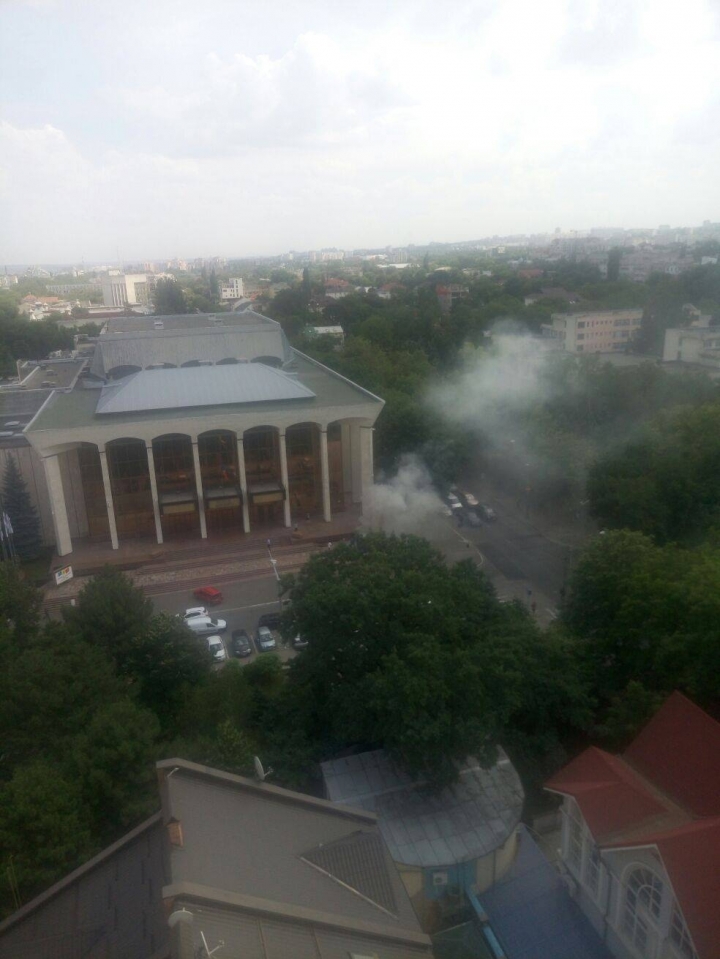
212	479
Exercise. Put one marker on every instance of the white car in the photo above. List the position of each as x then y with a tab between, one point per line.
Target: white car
453	500
217	648
195	611
206	625
470	499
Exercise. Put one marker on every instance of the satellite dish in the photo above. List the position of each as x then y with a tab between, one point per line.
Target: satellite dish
260	770
180	915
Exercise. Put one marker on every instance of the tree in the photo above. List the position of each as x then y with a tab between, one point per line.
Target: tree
26	535
19	604
169	299
44	831
111	613
417	657
613	264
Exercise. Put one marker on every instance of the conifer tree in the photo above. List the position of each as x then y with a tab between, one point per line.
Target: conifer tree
21	512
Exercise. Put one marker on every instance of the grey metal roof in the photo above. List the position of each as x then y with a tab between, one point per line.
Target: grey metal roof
357	860
199	386
248	839
138	341
466	821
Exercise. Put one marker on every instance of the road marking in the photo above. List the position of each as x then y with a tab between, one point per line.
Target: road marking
468	543
553	612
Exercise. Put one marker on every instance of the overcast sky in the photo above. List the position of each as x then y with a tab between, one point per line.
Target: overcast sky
161	128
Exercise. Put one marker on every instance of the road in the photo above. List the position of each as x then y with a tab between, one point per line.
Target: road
243	604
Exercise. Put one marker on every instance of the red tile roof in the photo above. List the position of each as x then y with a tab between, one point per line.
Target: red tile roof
611	796
679	751
691	855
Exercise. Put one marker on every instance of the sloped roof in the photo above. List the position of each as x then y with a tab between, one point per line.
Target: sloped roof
613	798
679	750
358	861
691	855
465	821
199	386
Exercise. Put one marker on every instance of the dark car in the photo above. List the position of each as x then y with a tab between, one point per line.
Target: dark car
487	512
271	620
240	644
472	518
264	639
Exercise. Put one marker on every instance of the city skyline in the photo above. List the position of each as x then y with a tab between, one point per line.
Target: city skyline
247	131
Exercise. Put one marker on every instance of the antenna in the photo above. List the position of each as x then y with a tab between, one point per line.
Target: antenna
260	770
211	952
180	915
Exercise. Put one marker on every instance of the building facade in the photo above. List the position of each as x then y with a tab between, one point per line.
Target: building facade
603	331
197	426
699	345
233	289
126	289
641	837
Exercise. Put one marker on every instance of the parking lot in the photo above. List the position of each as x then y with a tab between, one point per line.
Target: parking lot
243	604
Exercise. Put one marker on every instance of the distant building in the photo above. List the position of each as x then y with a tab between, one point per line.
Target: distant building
699	345
233	289
552	293
445	845
8	280
126	289
335	332
640	844
448	295
604	331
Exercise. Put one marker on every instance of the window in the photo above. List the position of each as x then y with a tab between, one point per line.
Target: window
575	839
592	870
680	937
643	898
581	336
581	325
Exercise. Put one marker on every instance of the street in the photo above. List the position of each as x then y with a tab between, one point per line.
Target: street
243	604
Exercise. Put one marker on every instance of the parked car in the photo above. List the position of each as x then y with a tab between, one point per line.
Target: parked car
195	611
445	510
217	648
240	644
453	500
487	512
472	518
299	642
264	639
209	595
271	620
469	498
206	625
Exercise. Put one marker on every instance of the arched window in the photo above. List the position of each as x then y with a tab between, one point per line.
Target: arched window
643	899
680	937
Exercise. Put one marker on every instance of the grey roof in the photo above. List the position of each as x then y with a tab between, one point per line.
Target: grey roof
17	408
143	341
243	870
466	821
111	906
199	386
76	410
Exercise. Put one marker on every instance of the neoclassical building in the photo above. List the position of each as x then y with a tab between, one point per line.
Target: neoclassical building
191	425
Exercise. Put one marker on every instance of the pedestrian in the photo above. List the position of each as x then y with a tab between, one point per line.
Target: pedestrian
533	607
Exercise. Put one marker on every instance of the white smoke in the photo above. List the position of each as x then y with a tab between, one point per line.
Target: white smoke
406	503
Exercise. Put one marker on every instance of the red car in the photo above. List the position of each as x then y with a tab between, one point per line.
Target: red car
209	595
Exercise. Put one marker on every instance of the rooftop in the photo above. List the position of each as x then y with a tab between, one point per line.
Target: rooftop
465	821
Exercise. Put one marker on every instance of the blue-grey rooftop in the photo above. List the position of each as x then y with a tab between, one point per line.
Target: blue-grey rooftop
465	821
199	386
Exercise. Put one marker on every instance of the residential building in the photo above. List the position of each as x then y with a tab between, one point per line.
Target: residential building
641	837
126	289
233	289
334	332
699	345
198	425
604	331
229	867
445	844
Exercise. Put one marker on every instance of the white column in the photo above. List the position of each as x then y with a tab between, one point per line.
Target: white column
243	484
154	492
356	462
284	477
345	442
63	543
198	487
108	497
367	471
325	474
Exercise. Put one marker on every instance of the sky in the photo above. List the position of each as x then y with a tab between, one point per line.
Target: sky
159	128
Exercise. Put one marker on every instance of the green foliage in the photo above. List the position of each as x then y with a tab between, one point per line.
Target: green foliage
664	484
19	604
43	828
169	299
21	339
420	658
110	612
26	536
628	712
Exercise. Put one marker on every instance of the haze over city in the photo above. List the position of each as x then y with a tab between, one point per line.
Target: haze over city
143	131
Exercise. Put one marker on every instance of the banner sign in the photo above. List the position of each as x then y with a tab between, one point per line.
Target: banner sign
63	575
